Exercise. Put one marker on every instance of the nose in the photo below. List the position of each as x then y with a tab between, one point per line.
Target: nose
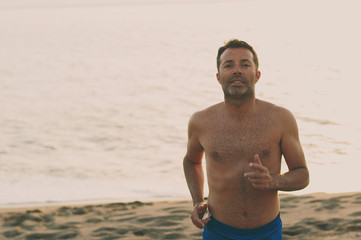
237	70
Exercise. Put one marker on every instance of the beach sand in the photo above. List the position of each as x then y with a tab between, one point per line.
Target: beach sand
312	216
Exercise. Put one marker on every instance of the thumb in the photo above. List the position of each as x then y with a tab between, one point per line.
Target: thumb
257	159
203	207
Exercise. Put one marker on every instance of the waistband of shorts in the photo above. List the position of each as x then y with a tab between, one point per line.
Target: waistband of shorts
271	226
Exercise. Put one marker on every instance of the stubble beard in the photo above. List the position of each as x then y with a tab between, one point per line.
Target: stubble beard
245	92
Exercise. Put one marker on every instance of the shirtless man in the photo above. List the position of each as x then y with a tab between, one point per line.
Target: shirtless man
243	140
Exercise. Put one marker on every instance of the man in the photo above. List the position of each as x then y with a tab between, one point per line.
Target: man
243	140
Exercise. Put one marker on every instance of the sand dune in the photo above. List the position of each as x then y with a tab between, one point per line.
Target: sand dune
313	216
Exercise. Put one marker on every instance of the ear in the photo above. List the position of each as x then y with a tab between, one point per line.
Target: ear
217	76
258	76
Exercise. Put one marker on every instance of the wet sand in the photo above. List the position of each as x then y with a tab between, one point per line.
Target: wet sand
312	216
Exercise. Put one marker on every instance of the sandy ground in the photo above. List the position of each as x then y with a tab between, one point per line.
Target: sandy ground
313	216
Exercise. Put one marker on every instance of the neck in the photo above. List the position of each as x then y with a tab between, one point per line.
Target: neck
239	107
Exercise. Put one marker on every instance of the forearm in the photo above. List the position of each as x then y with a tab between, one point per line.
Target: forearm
295	179
195	179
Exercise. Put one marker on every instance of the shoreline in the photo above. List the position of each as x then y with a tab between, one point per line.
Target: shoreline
320	215
9	206
129	200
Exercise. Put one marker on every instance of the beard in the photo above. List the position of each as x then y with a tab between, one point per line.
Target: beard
247	91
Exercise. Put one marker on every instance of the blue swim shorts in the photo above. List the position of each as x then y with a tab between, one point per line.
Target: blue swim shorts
216	230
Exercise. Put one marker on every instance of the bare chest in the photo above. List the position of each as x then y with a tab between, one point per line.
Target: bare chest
229	143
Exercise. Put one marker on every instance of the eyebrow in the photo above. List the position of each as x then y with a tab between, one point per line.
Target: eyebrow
242	60
228	61
246	60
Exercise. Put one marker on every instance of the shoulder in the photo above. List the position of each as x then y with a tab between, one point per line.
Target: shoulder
279	116
275	111
202	120
205	115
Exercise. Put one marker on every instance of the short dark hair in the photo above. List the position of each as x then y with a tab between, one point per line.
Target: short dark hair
235	43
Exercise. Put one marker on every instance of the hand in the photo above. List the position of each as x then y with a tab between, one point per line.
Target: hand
260	178
198	213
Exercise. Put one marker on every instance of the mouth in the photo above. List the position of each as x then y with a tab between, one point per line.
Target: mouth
237	82
238	79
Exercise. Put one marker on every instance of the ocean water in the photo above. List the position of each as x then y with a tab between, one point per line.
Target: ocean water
96	95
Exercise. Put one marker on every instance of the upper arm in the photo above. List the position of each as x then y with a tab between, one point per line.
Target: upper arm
194	148
290	143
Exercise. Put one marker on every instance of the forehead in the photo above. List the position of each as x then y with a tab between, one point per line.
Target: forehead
236	54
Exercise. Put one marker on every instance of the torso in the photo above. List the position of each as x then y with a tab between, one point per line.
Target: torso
230	145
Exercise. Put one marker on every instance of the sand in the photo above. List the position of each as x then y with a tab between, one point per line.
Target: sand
312	216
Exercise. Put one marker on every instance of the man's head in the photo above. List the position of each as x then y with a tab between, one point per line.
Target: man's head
235	43
238	73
